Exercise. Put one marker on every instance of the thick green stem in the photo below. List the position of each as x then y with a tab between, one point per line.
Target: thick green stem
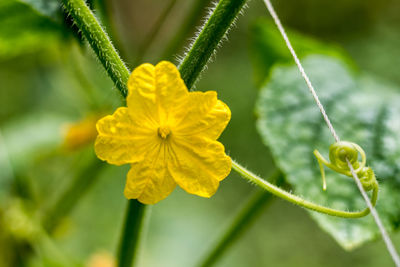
240	224
192	17
73	193
118	72
132	233
209	38
99	42
194	62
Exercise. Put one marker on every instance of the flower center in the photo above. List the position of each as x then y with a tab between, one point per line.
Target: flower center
163	131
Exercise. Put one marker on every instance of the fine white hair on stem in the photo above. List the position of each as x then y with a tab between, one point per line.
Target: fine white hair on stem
199	29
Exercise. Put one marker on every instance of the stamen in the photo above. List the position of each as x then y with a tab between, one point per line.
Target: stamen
163	131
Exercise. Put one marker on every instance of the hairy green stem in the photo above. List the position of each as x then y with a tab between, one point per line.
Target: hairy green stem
119	73
298	200
194	62
202	49
239	224
192	65
100	43
132	233
192	17
72	194
209	38
145	45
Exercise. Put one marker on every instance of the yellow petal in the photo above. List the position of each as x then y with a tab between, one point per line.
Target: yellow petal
149	180
155	92
141	99
198	164
121	140
203	114
171	88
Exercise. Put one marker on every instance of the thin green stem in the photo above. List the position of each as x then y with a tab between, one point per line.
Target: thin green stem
132	233
298	200
189	22
100	42
239	224
209	38
72	194
144	47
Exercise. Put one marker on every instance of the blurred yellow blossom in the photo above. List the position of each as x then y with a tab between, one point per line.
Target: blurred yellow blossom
101	259
167	134
81	133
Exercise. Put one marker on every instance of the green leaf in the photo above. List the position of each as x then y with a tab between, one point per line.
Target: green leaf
23	140
49	8
291	125
268	47
25	31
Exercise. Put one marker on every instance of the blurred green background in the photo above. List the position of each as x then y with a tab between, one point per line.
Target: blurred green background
49	78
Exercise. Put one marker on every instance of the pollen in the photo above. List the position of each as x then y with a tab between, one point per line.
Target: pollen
163	132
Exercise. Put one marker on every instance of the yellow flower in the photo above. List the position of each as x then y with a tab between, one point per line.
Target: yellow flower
167	134
81	133
101	259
